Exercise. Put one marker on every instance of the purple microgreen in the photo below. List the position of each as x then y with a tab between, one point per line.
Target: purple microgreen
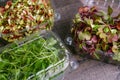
95	29
89	42
115	38
94	39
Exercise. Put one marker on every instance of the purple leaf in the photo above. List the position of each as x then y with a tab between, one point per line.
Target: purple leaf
115	38
94	39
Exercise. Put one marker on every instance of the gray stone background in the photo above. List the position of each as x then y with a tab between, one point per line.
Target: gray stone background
67	9
90	69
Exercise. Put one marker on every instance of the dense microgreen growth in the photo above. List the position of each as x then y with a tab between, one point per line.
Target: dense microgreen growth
21	18
29	58
96	30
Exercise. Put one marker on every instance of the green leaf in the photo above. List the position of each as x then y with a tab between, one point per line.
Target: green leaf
101	13
115	49
87	36
114	31
84	36
80	46
106	29
80	35
78	18
110	10
103	36
29	58
99	20
96	55
95	27
17	72
88	21
110	20
3	77
116	56
2	65
100	30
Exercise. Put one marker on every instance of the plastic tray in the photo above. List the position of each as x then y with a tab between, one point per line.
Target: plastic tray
53	70
45	25
102	5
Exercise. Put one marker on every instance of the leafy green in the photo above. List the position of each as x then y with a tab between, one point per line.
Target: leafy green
110	10
29	58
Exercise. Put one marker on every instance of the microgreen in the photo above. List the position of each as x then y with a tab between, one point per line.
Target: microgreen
95	29
20	18
29	58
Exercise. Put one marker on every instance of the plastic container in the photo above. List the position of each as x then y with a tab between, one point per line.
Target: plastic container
54	71
106	56
103	4
29	22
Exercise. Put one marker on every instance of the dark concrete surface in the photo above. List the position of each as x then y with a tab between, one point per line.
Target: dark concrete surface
88	70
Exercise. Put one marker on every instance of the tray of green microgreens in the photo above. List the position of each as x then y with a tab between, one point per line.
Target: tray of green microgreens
97	33
38	57
21	18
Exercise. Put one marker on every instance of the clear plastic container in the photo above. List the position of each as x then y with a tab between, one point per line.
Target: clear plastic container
25	21
103	4
85	47
55	71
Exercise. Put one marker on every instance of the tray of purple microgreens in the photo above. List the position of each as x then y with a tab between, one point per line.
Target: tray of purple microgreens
96	34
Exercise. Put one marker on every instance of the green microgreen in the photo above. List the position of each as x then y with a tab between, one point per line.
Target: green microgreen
29	58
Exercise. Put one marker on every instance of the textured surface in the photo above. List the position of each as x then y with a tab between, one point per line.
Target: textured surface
89	70
94	70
